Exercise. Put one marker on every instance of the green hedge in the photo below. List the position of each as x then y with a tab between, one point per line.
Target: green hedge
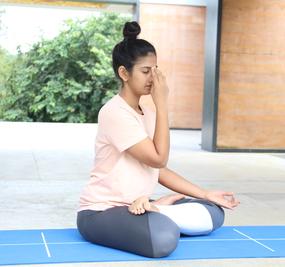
66	79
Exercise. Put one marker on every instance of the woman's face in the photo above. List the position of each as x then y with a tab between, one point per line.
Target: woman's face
140	79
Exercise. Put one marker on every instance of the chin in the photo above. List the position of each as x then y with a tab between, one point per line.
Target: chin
147	93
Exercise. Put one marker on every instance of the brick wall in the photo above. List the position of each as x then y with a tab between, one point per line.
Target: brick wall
252	75
177	32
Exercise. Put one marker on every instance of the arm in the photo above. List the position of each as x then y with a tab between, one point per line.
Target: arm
155	152
179	184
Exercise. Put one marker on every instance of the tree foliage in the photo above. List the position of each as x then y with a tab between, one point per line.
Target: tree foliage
68	78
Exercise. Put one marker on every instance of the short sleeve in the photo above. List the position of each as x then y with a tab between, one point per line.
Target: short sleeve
122	128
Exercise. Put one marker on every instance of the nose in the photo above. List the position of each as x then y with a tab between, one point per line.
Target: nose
150	78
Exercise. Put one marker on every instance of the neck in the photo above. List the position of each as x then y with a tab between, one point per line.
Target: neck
130	98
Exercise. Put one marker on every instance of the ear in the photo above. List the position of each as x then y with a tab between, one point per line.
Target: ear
123	73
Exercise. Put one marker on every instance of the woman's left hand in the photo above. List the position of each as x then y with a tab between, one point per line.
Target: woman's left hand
224	199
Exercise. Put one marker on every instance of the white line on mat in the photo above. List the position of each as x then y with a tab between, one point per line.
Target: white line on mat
46	246
254	240
228	239
40	244
181	240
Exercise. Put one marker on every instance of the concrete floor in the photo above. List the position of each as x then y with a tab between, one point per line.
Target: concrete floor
44	166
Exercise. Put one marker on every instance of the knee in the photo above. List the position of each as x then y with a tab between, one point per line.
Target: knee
217	215
219	219
164	234
81	224
216	212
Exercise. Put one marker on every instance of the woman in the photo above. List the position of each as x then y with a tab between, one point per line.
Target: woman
132	148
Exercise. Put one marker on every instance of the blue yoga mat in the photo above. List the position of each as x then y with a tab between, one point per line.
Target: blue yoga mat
66	245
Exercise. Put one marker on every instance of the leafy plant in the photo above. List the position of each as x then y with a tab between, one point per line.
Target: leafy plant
7	62
68	78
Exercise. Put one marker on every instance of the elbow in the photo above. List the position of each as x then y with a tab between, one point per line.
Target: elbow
161	166
161	163
157	164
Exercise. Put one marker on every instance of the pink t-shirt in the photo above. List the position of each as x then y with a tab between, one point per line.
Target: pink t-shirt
117	178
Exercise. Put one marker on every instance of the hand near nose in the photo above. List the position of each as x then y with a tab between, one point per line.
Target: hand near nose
159	90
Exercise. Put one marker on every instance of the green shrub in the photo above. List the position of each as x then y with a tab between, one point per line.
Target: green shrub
7	62
68	78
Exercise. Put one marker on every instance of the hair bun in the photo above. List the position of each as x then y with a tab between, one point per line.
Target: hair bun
131	30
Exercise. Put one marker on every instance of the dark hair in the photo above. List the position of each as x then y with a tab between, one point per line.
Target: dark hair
128	51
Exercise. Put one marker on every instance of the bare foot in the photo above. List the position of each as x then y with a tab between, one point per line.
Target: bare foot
141	205
168	200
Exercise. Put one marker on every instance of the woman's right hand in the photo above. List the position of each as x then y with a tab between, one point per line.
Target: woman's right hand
159	90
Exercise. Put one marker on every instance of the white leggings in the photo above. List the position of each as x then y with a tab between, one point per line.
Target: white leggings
193	218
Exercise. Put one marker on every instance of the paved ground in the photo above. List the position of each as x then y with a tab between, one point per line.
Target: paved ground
44	167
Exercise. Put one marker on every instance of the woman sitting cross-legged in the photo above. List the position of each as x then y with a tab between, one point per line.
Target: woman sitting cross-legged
132	149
